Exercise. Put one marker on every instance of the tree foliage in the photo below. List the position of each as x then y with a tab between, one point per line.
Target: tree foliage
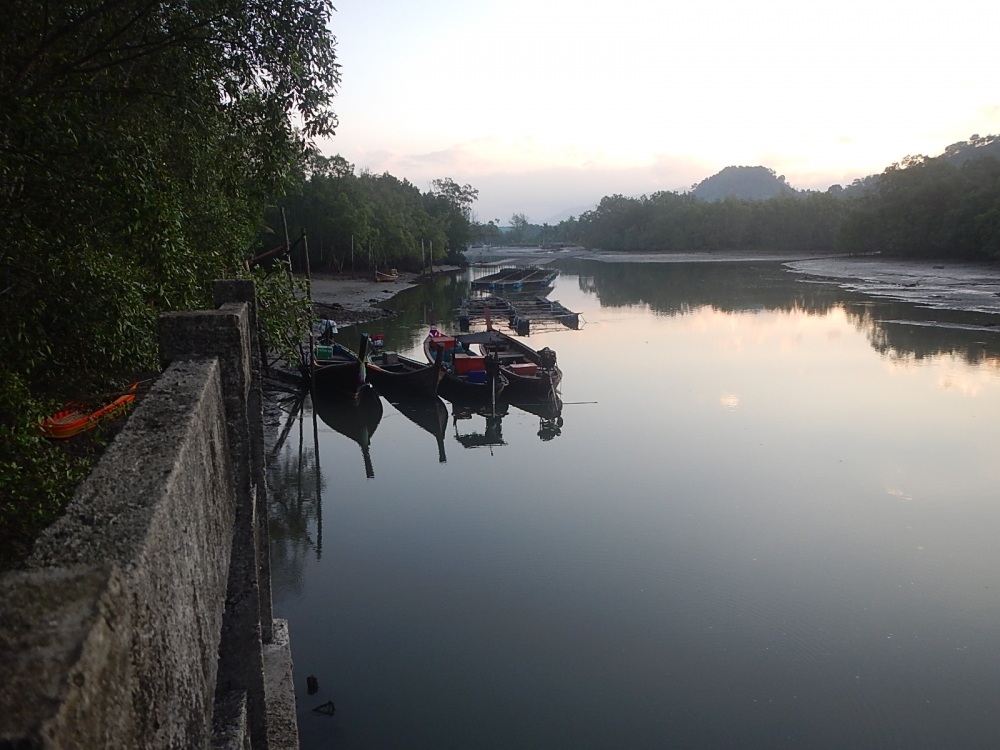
941	207
139	143
364	221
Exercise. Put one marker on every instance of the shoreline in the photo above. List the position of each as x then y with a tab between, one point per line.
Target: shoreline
352	298
958	286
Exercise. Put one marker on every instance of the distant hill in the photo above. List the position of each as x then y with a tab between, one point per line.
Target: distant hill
745	183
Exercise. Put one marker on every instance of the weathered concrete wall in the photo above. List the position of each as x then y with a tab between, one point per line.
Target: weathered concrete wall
144	616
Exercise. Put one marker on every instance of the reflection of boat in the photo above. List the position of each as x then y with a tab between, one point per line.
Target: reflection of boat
548	411
339	371
356	420
395	375
467	376
528	373
491	435
428	413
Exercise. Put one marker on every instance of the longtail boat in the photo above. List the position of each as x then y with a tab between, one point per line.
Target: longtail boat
392	374
467	376
528	372
337	370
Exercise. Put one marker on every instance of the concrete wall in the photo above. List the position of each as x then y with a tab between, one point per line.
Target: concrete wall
143	619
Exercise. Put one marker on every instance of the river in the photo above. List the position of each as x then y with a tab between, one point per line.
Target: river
765	518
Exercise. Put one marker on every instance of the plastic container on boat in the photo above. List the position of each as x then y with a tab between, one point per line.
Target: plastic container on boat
524	369
466	363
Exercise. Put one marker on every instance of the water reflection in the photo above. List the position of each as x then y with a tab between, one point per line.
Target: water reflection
295	515
470	432
772	526
898	330
549	413
473	433
430	415
355	420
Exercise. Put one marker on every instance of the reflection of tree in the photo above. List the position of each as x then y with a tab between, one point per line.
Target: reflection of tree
432	301
294	512
675	288
904	331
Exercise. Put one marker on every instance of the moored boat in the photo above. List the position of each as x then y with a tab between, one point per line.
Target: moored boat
336	370
392	374
392	275
468	376
528	372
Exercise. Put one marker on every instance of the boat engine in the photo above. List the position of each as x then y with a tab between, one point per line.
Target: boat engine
547	358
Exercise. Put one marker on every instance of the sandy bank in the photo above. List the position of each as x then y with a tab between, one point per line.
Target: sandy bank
347	298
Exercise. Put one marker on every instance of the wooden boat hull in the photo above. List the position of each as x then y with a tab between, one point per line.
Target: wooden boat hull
379	276
339	371
395	375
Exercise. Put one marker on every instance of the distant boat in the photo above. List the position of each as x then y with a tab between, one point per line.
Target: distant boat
392	275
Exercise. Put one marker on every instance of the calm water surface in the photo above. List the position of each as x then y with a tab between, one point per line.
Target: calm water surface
766	520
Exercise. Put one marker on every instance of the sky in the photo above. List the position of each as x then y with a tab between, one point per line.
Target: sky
546	106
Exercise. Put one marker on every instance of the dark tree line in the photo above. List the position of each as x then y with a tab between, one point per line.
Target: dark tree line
941	207
930	208
364	221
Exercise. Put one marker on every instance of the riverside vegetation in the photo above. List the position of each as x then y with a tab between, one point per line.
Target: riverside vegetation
141	145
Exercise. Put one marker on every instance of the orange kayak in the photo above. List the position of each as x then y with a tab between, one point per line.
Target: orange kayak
74	418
